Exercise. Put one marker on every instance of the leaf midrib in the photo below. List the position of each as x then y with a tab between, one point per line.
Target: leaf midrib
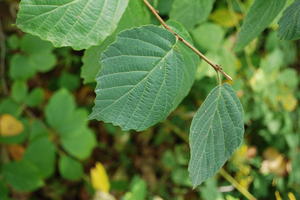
210	128
51	11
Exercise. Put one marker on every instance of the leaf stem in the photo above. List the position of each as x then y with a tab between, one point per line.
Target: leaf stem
219	78
201	55
240	188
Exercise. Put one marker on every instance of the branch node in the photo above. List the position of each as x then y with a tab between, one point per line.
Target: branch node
202	56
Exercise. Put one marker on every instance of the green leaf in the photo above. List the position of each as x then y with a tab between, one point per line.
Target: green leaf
21	67
180	176
75	123
71	124
3	191
259	17
60	109
169	160
41	153
43	61
164	6
139	86
13	42
91	64
135	15
180	29
19	91
182	154
209	36
35	97
32	45
289	78
39	52
295	175
138	190
37	130
191	13
69	81
289	24
36	56
9	106
76	23
18	139
80	144
69	168
22	175
191	60
217	130
210	190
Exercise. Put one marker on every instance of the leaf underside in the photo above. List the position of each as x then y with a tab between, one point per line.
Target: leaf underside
144	76
217	130
76	23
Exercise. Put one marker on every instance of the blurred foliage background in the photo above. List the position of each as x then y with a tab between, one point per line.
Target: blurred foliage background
49	150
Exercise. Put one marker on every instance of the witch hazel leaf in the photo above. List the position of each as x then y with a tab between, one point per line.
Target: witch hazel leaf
134	16
289	24
76	23
259	17
145	74
216	132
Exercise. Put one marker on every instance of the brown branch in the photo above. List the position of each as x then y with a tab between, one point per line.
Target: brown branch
216	67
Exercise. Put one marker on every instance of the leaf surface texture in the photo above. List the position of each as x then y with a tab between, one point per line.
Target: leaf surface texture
145	74
76	23
217	130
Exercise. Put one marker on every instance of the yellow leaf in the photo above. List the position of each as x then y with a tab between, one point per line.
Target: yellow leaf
240	156
277	195
246	181
291	196
10	126
226	18
289	102
99	178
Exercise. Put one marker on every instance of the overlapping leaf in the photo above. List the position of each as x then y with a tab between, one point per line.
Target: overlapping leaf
41	153
191	13
260	15
76	23
217	130
22	175
135	15
289	24
70	124
70	168
144	75
35	56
